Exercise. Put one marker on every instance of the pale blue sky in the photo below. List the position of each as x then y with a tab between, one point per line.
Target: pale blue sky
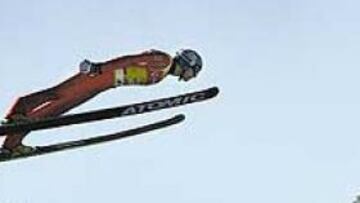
285	127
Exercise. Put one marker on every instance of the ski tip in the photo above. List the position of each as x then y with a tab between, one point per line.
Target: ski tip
214	91
179	118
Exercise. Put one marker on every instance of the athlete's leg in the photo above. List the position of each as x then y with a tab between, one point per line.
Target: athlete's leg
20	110
53	108
26	104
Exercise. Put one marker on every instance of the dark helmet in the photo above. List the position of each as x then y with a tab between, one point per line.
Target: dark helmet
188	58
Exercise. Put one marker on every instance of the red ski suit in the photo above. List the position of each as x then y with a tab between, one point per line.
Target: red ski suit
143	69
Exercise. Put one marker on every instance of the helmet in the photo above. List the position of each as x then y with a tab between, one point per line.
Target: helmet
188	58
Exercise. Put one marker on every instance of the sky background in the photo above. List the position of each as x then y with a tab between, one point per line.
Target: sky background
285	127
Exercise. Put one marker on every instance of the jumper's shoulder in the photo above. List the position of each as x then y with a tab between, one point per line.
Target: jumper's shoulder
149	59
155	52
154	59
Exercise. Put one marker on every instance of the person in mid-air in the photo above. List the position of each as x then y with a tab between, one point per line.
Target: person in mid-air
93	78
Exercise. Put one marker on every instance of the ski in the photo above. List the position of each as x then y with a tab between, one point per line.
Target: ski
127	110
41	150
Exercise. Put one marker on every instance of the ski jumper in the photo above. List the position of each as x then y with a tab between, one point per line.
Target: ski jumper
143	69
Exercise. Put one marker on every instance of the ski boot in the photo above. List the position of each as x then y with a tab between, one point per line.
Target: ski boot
21	150
4	121
5	152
